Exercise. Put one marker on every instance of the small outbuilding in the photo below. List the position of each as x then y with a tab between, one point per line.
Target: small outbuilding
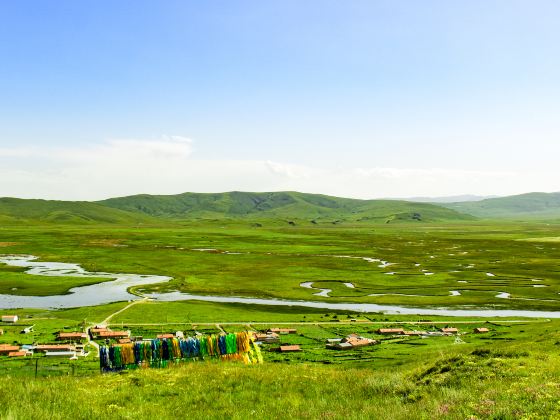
6	349
350	342
114	334
481	330
390	331
69	354
55	348
10	318
359	341
414	333
94	332
449	330
17	354
267	337
289	349
282	330
71	336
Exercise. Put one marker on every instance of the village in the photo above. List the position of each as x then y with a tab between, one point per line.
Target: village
85	343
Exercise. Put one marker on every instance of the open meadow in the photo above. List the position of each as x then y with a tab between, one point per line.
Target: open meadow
424	375
492	264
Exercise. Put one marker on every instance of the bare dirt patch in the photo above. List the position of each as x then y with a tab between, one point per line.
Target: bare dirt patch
6	244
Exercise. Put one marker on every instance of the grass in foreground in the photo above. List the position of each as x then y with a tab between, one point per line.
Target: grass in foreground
509	383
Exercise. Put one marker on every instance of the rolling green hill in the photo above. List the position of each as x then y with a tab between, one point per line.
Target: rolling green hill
72	212
531	205
281	205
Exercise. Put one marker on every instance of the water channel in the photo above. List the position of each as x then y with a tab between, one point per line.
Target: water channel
117	290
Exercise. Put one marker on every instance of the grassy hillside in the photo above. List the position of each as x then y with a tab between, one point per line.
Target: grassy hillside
512	382
73	212
286	205
531	205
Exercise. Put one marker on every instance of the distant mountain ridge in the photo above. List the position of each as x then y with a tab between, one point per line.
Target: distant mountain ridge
531	205
280	205
283	207
73	212
449	199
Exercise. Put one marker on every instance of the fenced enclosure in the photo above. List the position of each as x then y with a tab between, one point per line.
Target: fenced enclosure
40	367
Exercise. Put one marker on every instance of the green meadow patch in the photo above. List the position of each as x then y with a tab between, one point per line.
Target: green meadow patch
509	372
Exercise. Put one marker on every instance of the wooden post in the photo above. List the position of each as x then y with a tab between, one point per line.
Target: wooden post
36	367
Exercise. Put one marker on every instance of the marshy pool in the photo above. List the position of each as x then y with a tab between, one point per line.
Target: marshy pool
117	291
91	295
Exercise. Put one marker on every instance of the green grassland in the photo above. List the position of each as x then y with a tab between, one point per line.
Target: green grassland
524	206
271	262
510	372
508	384
14	210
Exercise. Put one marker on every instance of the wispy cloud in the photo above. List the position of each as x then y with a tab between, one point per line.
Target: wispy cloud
17	152
167	148
168	165
289	170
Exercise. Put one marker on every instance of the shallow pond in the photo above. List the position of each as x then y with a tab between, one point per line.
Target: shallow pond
361	307
117	290
94	294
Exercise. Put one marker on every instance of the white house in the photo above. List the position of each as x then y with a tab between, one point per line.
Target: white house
10	318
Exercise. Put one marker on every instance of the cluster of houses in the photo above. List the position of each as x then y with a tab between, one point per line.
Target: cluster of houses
71	344
72	351
351	341
272	336
442	331
12	350
72	347
125	337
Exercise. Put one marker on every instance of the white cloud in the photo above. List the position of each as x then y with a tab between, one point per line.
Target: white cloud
290	171
167	166
167	148
15	152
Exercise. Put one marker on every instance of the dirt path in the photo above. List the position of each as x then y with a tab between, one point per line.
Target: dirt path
105	322
495	321
91	342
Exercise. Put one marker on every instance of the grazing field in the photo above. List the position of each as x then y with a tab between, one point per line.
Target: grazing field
512	373
498	374
469	265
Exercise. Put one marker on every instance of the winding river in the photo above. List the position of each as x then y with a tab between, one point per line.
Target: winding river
117	290
91	295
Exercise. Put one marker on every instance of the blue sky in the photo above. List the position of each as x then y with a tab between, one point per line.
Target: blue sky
357	98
